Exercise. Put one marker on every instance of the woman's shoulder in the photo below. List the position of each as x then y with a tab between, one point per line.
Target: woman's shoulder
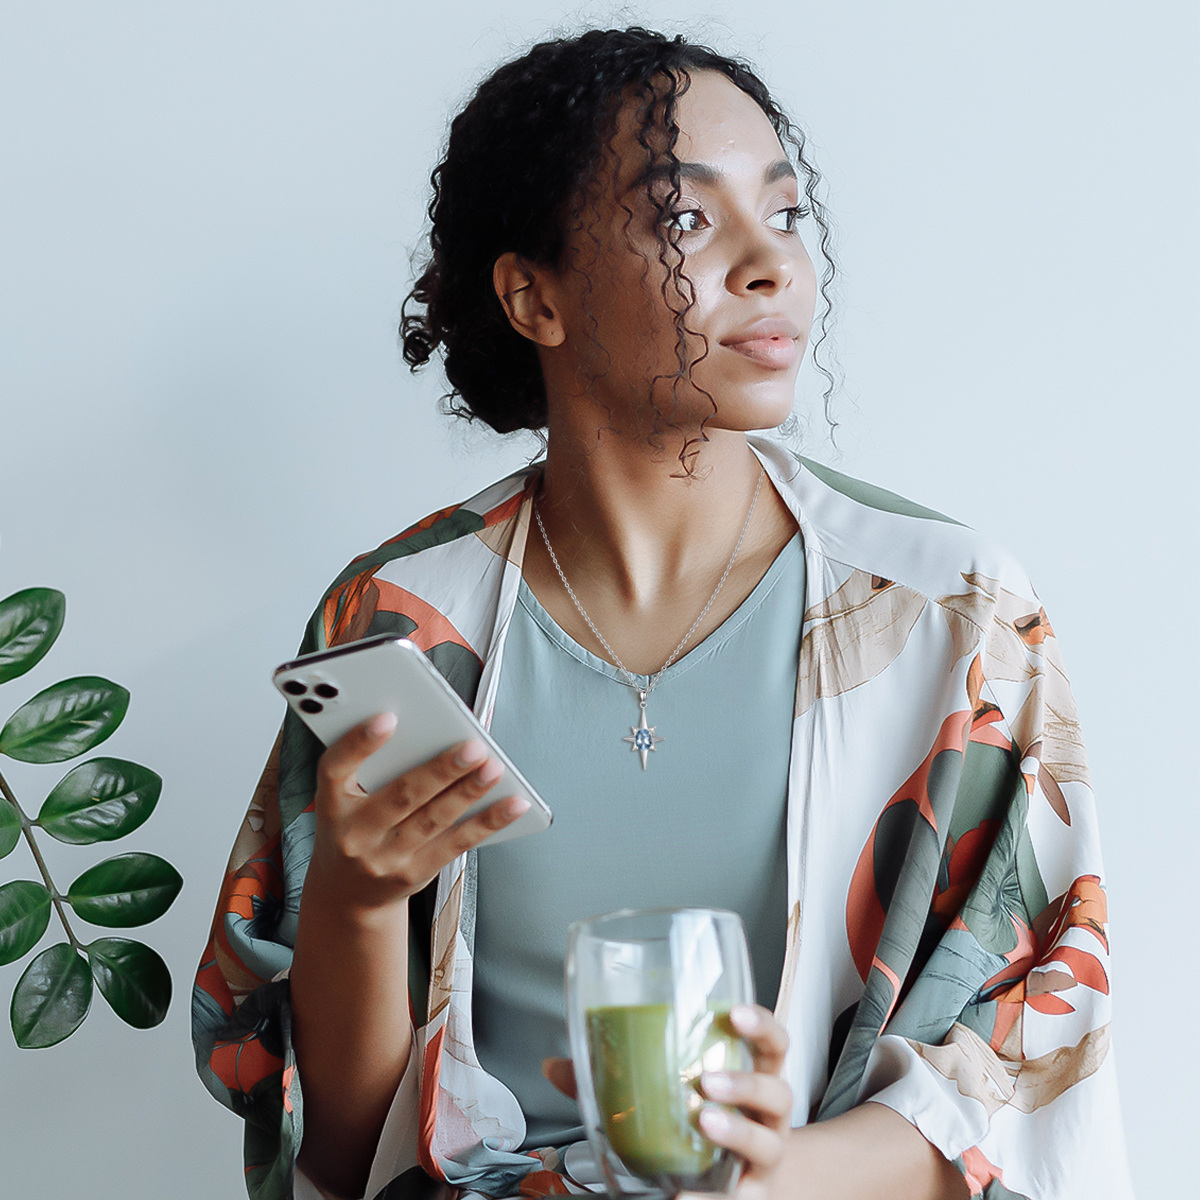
489	509
867	528
416	576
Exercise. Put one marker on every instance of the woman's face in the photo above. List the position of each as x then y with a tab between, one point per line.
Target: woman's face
747	274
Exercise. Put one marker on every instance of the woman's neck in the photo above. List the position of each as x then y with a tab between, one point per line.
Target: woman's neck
643	548
628	515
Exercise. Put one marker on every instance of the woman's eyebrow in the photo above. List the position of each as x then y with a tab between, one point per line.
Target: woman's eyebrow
780	169
697	172
709	176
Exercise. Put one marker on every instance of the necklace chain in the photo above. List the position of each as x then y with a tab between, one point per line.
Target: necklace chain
633	681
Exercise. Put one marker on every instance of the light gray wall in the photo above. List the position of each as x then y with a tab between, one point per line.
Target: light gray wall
205	217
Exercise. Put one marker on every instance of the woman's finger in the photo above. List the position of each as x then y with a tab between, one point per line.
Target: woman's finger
561	1073
337	765
417	818
761	1147
768	1039
458	839
768	1096
416	787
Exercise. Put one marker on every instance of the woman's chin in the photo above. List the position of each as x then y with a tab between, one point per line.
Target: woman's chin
757	413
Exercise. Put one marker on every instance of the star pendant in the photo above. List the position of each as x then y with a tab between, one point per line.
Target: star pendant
642	738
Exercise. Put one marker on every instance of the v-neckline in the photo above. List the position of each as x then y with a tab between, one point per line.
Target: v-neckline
727	628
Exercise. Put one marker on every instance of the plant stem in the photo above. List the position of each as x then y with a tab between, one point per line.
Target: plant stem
55	895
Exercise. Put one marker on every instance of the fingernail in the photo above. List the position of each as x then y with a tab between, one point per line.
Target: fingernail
470	753
518	805
715	1120
717	1084
744	1017
489	772
381	725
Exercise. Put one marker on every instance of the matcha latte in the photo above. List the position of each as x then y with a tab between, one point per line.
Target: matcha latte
646	1065
648	998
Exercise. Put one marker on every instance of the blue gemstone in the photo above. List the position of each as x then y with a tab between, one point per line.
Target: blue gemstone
642	740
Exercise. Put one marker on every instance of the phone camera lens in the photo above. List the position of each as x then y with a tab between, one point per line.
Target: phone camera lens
326	690
294	687
311	706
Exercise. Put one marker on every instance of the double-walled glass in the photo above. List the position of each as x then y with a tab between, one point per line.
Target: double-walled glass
648	1000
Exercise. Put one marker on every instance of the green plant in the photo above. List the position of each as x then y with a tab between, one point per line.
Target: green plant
97	801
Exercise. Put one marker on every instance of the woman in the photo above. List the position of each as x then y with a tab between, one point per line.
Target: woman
755	684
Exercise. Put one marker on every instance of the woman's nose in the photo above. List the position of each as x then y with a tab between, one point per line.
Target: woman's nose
762	262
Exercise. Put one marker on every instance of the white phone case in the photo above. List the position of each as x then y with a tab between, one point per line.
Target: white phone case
331	691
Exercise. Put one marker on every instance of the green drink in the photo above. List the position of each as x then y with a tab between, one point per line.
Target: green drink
646	1065
648	997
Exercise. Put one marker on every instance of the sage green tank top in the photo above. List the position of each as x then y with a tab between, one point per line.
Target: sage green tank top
702	825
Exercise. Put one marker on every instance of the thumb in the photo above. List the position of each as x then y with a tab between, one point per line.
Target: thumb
561	1073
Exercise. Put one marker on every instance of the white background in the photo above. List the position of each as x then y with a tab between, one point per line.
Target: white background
206	213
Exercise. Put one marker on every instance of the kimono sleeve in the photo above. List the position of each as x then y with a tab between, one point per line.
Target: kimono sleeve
241	1015
241	1006
986	1015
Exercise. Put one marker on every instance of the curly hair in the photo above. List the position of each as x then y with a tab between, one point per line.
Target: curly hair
519	162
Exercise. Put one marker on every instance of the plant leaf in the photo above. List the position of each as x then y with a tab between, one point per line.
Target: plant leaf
29	623
133	979
64	720
130	889
51	998
10	828
99	801
24	915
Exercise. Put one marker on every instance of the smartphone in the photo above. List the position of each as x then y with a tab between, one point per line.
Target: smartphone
331	691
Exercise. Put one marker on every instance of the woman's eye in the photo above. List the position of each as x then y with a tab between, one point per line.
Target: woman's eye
786	219
688	221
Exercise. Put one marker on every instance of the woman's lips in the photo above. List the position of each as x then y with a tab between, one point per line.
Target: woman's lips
778	353
770	341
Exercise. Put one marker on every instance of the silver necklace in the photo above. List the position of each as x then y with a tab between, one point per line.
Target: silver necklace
642	737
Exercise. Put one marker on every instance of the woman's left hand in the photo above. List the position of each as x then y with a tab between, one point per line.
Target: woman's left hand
752	1110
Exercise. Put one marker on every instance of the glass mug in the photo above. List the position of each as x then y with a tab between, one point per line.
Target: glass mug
648	999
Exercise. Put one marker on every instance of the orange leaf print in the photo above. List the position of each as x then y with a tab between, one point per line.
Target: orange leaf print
967	858
1006	1033
978	1171
349	608
1049	1004
241	1065
1034	629
1054	795
506	509
544	1183
1083	906
865	913
975	682
429	1104
433	629
1085	967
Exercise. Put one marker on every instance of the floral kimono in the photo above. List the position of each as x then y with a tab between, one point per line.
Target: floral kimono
947	945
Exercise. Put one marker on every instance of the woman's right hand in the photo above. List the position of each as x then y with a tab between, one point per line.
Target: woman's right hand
374	850
351	1023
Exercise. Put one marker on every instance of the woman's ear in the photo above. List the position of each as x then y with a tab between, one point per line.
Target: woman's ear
527	293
